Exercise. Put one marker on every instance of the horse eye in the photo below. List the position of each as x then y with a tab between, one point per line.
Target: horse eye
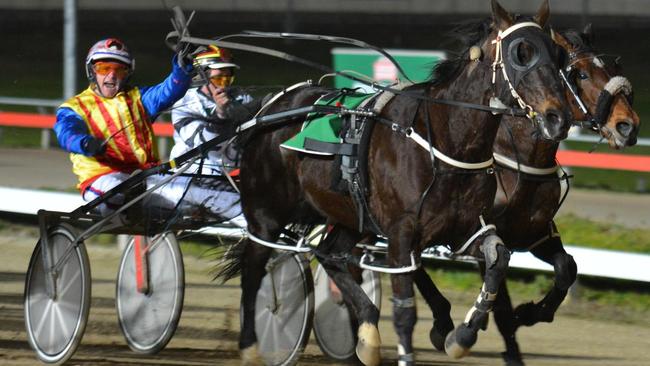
582	75
524	53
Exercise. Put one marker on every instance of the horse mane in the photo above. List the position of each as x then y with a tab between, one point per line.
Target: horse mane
467	34
578	41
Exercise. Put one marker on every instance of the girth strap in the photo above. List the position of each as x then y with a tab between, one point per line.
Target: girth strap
330	148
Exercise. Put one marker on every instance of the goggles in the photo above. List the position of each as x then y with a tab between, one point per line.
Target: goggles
222	80
105	68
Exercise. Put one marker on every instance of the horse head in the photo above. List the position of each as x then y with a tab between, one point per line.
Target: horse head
526	58
597	91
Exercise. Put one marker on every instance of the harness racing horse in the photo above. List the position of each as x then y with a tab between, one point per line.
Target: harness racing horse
529	189
415	196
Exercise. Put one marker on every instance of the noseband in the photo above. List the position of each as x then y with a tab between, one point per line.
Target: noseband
615	85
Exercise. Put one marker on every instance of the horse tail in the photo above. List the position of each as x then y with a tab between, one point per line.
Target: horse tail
229	264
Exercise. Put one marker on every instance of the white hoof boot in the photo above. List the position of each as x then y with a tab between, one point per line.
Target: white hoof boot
250	356
368	345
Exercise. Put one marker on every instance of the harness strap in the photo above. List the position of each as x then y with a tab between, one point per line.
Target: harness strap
329	147
297	248
509	163
280	94
410	133
484	228
366	263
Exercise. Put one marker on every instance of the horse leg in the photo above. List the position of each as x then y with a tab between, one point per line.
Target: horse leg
440	308
401	240
254	259
551	252
504	319
497	256
331	252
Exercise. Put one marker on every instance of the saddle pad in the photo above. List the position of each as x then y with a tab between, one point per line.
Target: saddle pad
325	128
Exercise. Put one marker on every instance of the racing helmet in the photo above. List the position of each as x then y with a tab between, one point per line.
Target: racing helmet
214	57
108	49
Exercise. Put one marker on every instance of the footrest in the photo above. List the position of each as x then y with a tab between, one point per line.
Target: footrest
368	262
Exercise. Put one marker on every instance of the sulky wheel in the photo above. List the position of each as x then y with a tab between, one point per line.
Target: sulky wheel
283	309
333	327
55	324
149	292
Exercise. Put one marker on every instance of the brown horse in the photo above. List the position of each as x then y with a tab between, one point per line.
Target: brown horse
415	196
529	190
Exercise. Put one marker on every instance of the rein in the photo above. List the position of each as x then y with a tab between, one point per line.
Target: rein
173	38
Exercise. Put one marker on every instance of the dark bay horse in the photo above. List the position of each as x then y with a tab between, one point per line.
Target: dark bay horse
442	193
529	190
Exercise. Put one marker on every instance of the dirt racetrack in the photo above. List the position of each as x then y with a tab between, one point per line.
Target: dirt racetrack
209	326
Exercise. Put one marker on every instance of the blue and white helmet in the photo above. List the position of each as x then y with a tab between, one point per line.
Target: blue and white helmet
108	49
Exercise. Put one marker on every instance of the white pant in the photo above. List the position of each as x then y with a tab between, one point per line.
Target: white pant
216	195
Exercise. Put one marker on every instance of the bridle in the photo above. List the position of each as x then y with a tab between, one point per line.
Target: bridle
614	86
507	68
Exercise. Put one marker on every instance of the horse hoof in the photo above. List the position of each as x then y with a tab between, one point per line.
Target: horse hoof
511	360
250	356
437	335
368	345
459	342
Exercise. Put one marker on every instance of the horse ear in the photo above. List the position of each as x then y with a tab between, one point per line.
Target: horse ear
502	19
542	14
588	33
559	39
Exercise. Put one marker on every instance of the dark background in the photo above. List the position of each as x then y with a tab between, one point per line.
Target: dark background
32	43
32	46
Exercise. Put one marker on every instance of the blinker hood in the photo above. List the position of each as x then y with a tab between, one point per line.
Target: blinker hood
540	48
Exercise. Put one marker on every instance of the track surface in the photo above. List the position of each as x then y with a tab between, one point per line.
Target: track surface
209	326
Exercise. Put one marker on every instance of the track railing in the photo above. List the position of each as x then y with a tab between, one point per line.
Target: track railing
593	262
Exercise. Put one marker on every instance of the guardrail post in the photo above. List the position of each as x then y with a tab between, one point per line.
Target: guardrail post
641	185
45	139
122	241
163	149
45	133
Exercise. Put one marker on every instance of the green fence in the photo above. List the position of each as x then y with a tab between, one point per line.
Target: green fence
416	64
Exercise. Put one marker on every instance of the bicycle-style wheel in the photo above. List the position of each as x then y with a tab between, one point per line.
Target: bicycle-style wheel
148	317
284	309
332	323
56	325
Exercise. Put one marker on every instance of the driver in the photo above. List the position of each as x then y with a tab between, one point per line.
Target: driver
211	108
107	127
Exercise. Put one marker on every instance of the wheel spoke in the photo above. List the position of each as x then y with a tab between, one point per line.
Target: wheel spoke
52	327
41	323
58	312
69	283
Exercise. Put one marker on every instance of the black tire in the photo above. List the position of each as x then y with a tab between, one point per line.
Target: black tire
55	326
148	320
332	323
283	326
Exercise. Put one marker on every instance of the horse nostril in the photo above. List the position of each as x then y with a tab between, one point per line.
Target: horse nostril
554	117
625	128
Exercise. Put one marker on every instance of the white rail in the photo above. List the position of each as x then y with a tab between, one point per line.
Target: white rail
591	262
